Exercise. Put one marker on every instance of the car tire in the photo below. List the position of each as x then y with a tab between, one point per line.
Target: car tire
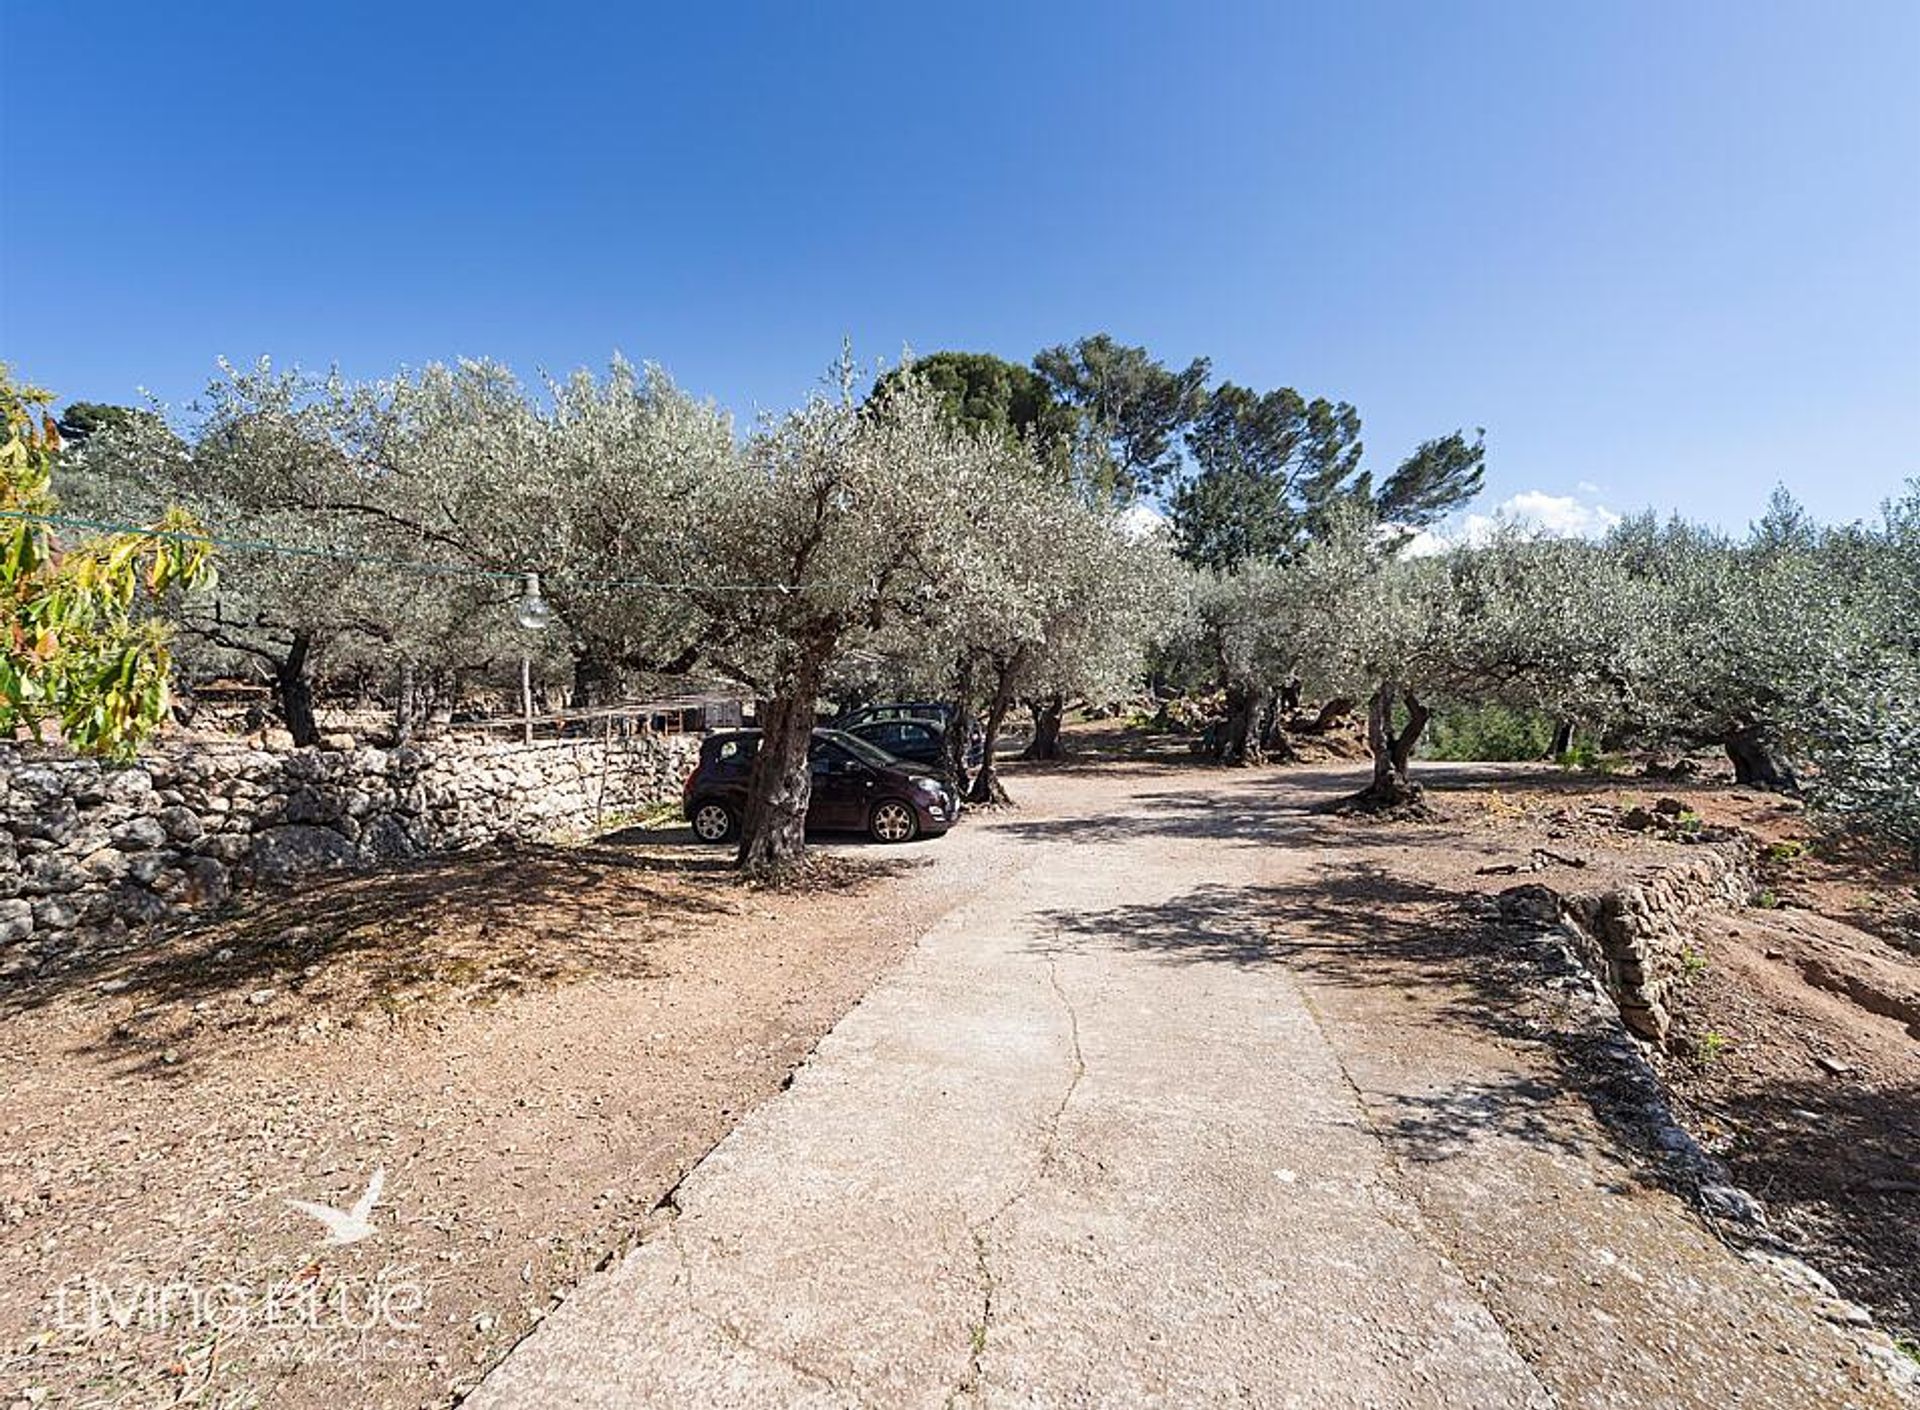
893	821
714	821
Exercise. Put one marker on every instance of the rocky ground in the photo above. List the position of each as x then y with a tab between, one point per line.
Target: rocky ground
1795	1052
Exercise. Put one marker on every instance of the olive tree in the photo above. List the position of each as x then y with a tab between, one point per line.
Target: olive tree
593	486
836	522
1074	602
266	463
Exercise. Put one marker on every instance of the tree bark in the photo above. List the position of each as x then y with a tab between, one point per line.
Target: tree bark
1408	737
406	704
294	688
1337	708
773	834
1563	733
1239	741
1274	744
955	742
986	781
1758	760
1047	716
1393	749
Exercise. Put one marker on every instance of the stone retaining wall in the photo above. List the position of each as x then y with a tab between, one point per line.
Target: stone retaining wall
1639	938
88	849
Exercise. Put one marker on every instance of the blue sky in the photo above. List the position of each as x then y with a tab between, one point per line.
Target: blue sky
1666	254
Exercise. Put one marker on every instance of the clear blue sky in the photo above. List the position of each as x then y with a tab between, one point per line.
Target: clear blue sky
1670	251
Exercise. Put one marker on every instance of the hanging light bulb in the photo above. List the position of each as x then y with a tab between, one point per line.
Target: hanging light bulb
533	612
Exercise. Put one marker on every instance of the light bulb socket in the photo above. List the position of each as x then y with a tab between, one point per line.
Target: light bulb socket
533	612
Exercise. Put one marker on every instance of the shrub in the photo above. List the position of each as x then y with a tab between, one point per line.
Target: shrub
1493	733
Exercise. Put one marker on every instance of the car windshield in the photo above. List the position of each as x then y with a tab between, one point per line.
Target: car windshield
866	753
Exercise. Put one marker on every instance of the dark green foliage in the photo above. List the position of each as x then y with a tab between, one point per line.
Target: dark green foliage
83	418
1436	479
1270	468
1497	733
990	393
1129	403
1267	467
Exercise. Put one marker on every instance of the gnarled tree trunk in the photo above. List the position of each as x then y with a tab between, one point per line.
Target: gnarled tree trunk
1239	741
1047	716
1393	748
986	781
773	835
1563	733
293	687
1758	760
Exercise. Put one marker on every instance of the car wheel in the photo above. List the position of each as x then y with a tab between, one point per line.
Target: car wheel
893	822
714	822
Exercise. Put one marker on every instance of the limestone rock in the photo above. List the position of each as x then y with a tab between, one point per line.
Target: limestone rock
299	849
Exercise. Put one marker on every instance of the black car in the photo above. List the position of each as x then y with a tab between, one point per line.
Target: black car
937	714
917	741
856	787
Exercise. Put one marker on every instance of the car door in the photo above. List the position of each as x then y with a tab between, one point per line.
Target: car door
838	799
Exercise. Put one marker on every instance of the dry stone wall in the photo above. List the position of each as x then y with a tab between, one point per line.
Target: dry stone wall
90	850
1639	938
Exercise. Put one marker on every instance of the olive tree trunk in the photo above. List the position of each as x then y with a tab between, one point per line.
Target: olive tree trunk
986	781
1048	714
1758	759
773	834
1393	747
954	742
1239	741
293	687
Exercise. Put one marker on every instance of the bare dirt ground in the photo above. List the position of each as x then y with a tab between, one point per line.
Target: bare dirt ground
535	1046
1795	1056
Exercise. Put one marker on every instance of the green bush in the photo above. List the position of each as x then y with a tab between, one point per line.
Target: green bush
1493	733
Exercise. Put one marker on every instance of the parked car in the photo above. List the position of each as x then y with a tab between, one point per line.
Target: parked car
917	741
938	713
856	787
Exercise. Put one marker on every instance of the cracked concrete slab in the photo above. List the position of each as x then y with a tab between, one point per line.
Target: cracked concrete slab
1045	1163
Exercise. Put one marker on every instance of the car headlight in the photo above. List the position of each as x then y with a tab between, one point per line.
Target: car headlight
929	785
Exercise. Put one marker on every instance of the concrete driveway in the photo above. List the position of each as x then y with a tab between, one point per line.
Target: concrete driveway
1104	1140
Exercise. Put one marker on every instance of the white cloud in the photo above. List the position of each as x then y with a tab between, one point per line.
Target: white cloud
1530	511
1142	521
1425	543
1556	515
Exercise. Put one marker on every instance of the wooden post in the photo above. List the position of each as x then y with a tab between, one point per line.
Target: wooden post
526	699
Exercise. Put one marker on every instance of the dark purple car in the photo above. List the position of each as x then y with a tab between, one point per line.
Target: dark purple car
856	788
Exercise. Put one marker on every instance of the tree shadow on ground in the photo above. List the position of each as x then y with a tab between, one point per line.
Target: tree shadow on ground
1366	928
472	928
1838	1165
1282	811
